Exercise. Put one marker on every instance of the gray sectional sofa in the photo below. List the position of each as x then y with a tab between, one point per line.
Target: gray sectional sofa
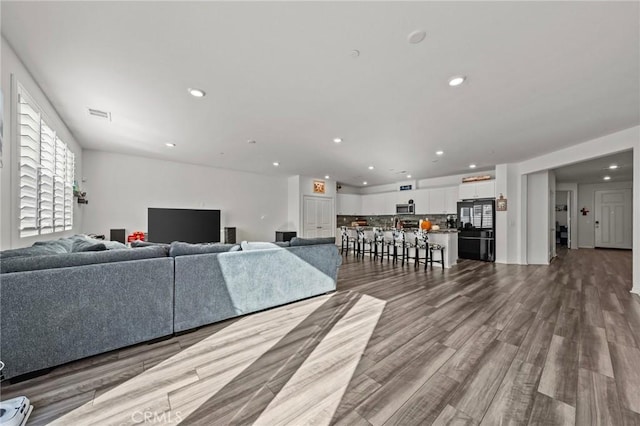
60	307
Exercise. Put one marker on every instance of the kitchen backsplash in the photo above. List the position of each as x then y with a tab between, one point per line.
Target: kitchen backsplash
387	220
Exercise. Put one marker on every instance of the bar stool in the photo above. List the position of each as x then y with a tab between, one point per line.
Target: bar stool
389	242
378	241
432	247
399	243
366	238
348	242
421	243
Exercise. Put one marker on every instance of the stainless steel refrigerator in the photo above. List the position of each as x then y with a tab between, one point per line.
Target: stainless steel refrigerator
476	230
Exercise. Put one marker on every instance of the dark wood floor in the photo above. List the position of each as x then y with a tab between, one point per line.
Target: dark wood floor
476	344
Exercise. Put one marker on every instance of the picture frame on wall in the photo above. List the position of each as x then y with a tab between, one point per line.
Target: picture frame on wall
501	204
318	187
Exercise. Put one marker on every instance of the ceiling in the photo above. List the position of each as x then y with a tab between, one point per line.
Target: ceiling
593	171
540	76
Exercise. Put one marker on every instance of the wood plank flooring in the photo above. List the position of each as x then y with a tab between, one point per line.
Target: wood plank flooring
477	344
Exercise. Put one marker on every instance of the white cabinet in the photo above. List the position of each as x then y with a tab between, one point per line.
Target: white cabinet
373	204
484	189
451	199
436	201
420	199
349	204
389	203
379	204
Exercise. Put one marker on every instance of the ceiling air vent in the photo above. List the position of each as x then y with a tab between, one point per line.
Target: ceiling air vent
100	114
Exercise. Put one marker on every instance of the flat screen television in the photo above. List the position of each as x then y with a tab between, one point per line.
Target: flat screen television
188	225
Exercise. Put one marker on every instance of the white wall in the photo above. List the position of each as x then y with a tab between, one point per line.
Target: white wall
586	198
293	204
502	219
538	218
14	71
120	188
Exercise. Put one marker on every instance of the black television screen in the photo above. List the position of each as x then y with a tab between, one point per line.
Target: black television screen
188	225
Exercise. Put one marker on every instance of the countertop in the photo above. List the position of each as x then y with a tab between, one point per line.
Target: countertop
440	231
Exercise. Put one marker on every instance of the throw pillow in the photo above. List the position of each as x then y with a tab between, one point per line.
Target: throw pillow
181	249
296	241
246	245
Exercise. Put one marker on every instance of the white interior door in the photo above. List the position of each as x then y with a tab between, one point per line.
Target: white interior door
318	217
613	219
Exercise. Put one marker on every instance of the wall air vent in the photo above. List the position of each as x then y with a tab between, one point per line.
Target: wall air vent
100	114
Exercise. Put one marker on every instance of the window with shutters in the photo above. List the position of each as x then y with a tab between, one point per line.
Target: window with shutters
46	173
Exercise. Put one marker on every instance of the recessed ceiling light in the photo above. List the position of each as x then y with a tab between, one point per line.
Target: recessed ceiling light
275	163
326	177
197	93
337	140
607	178
472	166
364	183
408	176
439	152
457	80
416	36
170	145
371	167
613	166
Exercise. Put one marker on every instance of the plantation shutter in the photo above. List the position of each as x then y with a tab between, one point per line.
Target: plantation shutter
68	190
29	124
46	174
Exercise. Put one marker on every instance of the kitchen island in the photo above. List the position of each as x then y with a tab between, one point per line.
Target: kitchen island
447	238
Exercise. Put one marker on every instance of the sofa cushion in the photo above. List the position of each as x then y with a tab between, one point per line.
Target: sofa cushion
296	241
182	249
61	245
80	245
32	263
26	251
246	245
110	245
92	247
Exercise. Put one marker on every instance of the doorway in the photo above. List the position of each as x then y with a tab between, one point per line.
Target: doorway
563	218
318	217
613	219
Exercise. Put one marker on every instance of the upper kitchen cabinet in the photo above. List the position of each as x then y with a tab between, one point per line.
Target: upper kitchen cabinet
436	201
349	204
443	200
373	204
451	199
483	189
420	198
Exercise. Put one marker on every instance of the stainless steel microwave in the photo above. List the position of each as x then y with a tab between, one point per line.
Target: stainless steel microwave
405	209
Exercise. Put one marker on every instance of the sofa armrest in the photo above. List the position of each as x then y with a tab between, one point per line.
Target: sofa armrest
50	317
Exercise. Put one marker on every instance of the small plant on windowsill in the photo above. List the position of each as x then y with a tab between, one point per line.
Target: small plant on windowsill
80	195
